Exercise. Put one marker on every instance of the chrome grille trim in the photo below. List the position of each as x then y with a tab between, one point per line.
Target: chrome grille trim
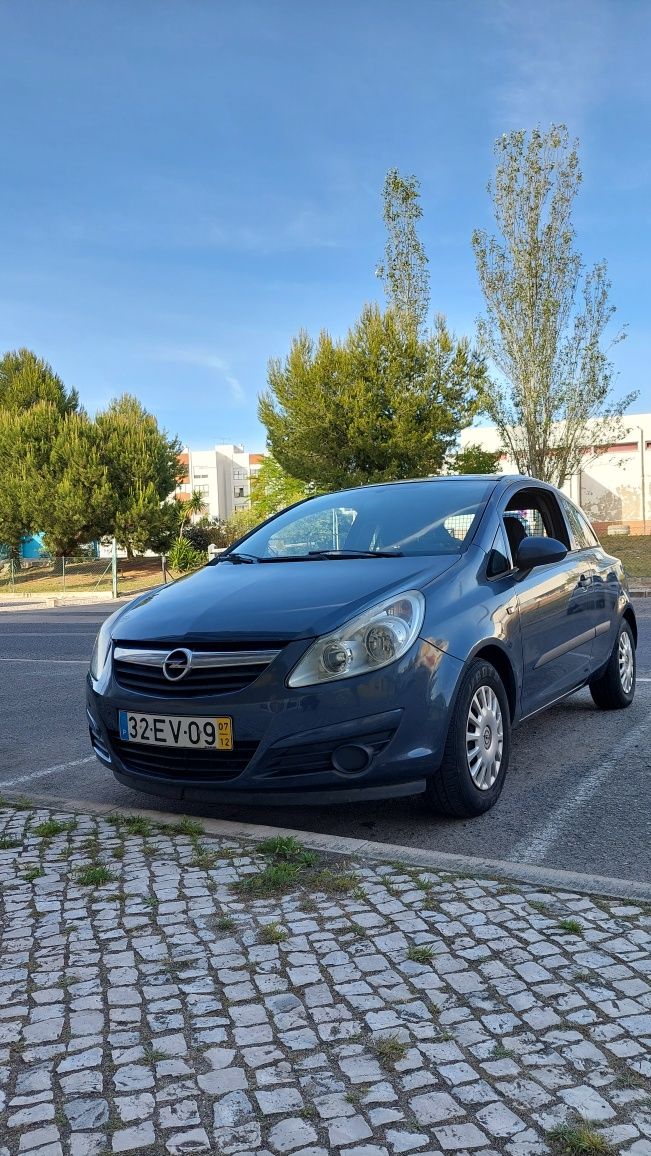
200	658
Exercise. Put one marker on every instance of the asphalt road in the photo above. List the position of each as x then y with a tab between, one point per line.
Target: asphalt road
576	798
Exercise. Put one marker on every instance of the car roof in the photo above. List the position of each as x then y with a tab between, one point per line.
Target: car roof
501	480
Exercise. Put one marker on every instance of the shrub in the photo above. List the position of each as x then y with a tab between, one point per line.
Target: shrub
184	557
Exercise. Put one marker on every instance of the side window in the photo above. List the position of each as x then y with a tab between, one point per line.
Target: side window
498	559
533	513
582	532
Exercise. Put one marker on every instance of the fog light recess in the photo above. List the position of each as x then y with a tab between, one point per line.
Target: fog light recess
351	759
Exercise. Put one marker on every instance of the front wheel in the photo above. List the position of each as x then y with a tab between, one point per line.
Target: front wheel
614	688
476	757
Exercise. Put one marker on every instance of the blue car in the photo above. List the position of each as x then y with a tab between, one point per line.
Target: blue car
374	642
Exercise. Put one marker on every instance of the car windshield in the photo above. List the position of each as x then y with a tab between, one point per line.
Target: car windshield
410	518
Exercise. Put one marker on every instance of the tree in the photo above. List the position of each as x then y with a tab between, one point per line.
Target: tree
389	400
404	272
273	489
26	379
473	459
26	438
143	469
551	394
383	403
71	500
194	505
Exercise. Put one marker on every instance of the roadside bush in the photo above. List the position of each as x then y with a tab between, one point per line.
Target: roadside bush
183	556
198	537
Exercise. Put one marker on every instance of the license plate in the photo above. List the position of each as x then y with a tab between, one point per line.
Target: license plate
177	731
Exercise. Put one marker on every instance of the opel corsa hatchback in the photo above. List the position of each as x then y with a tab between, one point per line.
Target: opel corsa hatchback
374	642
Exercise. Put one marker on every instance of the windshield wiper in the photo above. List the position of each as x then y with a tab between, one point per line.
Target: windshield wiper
236	557
355	554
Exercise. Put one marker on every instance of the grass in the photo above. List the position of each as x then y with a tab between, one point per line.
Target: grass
9	844
51	827
202	858
500	1052
422	954
22	803
138	825
286	849
578	1138
275	879
572	926
634	550
389	1049
539	905
272	933
184	826
33	873
95	876
153	1055
334	882
224	923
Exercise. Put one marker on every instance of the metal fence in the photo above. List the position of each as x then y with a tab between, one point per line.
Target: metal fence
56	575
113	576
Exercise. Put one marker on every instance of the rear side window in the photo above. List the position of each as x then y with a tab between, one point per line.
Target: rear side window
582	532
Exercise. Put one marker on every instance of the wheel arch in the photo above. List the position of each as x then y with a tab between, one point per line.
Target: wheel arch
629	616
493	653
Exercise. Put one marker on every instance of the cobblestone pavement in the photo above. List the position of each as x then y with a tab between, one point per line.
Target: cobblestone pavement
150	1003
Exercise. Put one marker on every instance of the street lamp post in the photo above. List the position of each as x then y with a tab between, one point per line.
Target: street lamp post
643	479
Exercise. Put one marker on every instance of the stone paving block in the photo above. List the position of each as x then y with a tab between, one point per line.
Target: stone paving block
145	1027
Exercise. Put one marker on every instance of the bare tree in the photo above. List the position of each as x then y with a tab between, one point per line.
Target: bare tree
551	396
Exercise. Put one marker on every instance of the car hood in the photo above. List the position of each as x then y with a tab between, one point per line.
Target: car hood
270	601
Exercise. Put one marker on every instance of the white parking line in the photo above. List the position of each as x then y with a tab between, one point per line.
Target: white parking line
533	848
46	771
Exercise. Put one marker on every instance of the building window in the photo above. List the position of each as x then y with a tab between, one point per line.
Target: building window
239	491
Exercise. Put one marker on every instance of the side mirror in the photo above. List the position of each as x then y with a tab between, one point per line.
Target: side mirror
539	551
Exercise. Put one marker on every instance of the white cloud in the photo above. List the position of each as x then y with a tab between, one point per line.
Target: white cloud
205	360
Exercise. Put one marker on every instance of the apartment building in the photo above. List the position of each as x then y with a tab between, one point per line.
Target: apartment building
614	485
222	475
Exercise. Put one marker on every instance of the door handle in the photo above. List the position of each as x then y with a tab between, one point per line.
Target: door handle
585	579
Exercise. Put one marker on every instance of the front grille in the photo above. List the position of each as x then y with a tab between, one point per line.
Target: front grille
213	672
315	758
202	766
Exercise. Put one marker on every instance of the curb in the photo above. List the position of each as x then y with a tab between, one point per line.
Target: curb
474	867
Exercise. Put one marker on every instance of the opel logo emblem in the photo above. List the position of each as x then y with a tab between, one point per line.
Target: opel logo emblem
177	664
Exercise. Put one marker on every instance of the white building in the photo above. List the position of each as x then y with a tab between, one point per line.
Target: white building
614	487
222	475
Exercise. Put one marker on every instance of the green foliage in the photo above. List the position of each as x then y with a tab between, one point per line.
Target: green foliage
578	1138
404	272
199	537
143	469
183	556
382	404
193	507
71	499
475	460
389	400
544	323
26	380
272	489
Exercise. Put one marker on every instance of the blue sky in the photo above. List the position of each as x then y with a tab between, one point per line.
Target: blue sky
187	183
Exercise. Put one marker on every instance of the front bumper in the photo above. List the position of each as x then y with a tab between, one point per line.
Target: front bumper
293	745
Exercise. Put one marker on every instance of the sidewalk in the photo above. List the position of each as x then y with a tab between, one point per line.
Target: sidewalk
163	992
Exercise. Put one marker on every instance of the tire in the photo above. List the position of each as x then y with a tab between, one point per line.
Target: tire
614	688
470	778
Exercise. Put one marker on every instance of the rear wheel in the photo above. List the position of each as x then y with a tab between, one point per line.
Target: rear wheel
476	757
614	688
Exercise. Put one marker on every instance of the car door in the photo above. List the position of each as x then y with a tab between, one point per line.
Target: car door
600	592
555	632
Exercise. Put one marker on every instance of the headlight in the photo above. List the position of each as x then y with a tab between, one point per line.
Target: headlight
102	647
372	640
